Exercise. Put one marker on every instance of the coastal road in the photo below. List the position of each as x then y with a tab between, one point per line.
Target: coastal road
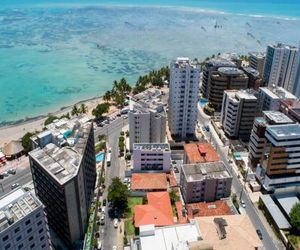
22	176
268	241
109	234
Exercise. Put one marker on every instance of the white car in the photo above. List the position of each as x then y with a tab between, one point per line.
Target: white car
243	204
114	248
103	209
115	223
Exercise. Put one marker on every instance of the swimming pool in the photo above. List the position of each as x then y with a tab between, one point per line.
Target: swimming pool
67	134
202	102
100	157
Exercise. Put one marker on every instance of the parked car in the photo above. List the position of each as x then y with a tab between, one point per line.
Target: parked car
115	223
114	248
15	185
12	171
259	234
104	202
102	219
243	204
103	209
5	174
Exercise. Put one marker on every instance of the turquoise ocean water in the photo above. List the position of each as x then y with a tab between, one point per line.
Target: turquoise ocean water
53	54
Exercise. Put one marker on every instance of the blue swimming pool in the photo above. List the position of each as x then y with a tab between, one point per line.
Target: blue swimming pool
68	133
202	102
100	157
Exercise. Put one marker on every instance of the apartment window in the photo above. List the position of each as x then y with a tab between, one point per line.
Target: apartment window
44	245
41	230
38	215
7	246
32	246
27	222
20	246
30	238
42	238
19	237
39	223
29	230
17	230
5	238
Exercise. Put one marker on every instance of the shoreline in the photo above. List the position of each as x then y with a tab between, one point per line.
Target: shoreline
19	128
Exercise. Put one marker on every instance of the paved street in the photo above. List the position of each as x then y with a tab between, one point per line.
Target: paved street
108	234
268	242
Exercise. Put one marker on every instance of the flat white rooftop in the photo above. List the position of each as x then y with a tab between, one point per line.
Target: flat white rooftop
285	131
169	238
277	93
277	117
287	202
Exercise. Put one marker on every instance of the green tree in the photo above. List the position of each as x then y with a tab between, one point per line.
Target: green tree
26	142
100	110
174	196
83	108
75	111
118	195
107	96
295	216
50	119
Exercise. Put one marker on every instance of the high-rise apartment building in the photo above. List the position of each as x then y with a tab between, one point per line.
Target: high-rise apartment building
225	78
269	98
63	168
280	165
280	66
23	223
205	182
258	141
147	117
183	96
238	111
151	157
291	108
257	61
254	79
209	68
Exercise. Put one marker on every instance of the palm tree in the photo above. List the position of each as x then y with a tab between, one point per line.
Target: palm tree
107	96
83	108
75	111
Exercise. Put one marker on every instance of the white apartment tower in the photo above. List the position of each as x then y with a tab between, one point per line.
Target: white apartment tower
147	117
238	111
281	65
183	96
23	223
257	61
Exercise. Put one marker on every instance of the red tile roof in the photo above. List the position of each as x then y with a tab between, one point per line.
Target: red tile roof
158	211
200	209
172	179
179	207
200	152
148	181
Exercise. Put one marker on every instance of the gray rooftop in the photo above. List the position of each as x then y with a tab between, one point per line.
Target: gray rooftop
251	71
276	117
15	206
202	171
277	93
287	202
60	151
284	131
230	71
275	212
183	62
152	146
259	55
220	63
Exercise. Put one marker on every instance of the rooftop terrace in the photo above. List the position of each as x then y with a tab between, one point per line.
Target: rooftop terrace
15	206
152	146
59	149
202	171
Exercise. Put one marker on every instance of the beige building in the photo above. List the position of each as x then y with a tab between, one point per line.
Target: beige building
205	182
257	61
225	78
229	232
238	111
147	117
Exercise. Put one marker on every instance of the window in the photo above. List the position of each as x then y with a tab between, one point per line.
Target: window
17	230
20	246
5	238
7	246
19	237
44	245
39	223
29	230
30	238
42	238
32	246
38	215
27	222
41	230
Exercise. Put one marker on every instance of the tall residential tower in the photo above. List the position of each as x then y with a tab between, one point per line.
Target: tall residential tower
183	96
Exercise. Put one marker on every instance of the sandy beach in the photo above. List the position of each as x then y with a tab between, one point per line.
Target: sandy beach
15	132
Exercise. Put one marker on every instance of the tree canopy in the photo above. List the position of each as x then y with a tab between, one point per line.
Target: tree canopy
26	142
100	110
118	194
295	216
